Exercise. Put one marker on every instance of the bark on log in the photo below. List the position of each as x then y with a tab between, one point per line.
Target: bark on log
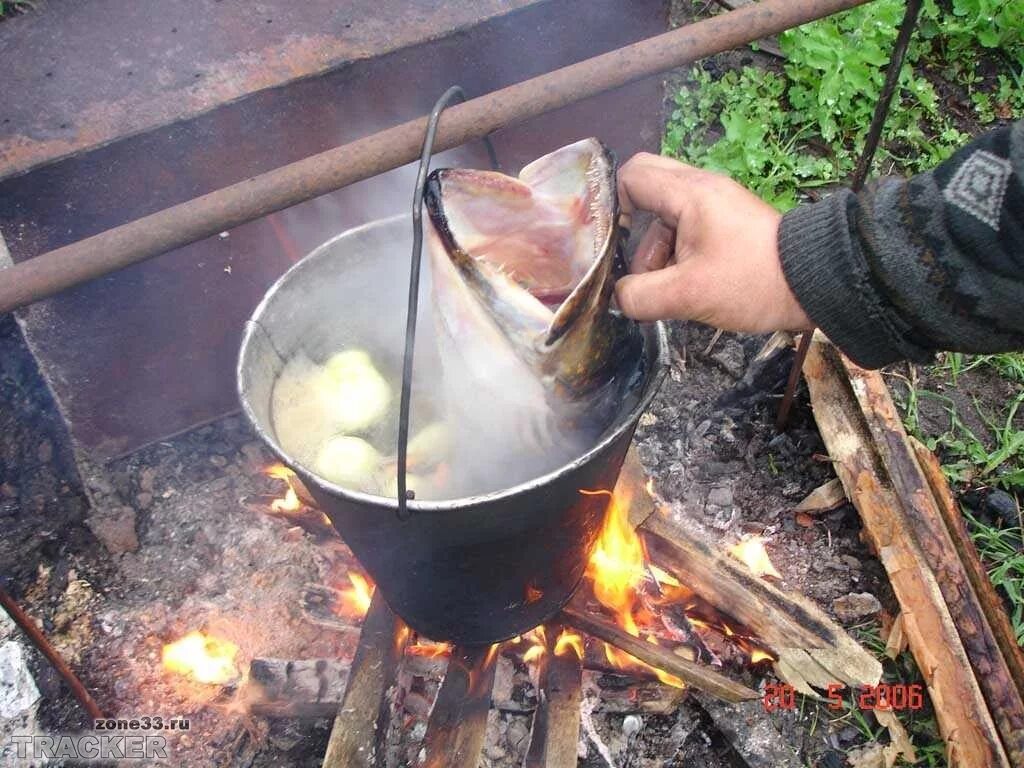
458	721
694	674
924	521
364	714
964	720
556	723
991	602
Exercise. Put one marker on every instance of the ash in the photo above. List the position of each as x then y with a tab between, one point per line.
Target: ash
177	537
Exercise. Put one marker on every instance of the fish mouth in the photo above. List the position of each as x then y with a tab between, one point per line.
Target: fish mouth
535	250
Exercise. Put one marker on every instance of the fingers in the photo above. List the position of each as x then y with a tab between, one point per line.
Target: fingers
660	185
664	293
654	250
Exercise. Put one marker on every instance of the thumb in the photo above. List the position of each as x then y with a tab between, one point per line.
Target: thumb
681	291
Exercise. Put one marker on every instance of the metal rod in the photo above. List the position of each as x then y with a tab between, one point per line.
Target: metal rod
782	417
325	172
860	174
892	77
39	640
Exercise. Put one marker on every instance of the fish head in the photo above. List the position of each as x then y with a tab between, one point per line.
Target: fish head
528	261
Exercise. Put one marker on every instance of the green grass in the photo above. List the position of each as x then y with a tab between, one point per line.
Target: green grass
920	724
1000	550
784	133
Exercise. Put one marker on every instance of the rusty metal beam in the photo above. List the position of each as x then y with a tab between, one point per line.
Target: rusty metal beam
318	174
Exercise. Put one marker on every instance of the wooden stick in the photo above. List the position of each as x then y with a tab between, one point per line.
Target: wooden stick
923	519
964	720
39	640
698	676
362	719
458	721
556	724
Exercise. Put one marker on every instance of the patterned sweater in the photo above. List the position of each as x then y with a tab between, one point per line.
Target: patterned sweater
909	267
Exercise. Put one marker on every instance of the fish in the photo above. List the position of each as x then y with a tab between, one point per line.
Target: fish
523	270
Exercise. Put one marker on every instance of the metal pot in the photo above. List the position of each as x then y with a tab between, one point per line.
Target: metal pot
472	570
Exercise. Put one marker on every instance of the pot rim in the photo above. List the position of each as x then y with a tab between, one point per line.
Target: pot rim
624	422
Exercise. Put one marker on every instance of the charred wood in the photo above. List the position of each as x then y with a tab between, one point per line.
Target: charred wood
700	677
556	724
365	710
458	721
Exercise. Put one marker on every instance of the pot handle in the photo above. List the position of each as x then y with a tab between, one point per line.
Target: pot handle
405	494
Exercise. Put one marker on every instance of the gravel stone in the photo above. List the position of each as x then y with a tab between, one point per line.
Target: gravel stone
855	606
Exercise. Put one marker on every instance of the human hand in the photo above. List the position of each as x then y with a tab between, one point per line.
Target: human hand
711	254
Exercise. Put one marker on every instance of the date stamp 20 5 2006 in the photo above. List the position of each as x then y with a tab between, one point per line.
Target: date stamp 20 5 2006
884	696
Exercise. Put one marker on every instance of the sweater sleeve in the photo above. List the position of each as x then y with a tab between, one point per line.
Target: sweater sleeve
907	268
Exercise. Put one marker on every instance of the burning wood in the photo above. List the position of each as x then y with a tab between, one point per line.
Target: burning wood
365	711
296	505
455	734
556	725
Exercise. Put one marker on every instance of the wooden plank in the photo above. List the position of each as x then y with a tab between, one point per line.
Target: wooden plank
458	721
923	519
963	716
363	718
700	677
554	742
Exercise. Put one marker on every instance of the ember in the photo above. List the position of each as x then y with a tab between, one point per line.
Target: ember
202	658
429	648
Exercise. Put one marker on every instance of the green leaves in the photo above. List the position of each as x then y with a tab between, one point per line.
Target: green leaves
780	133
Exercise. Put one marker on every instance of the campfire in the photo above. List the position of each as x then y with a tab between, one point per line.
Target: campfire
634	618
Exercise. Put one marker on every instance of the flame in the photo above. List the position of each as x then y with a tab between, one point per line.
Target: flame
290	501
537	640
617	564
355	600
203	658
569	641
429	648
618	570
751	552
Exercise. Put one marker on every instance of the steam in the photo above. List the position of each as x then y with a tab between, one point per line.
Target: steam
502	427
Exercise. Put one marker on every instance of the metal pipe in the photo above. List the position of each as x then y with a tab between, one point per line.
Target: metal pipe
39	640
327	171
